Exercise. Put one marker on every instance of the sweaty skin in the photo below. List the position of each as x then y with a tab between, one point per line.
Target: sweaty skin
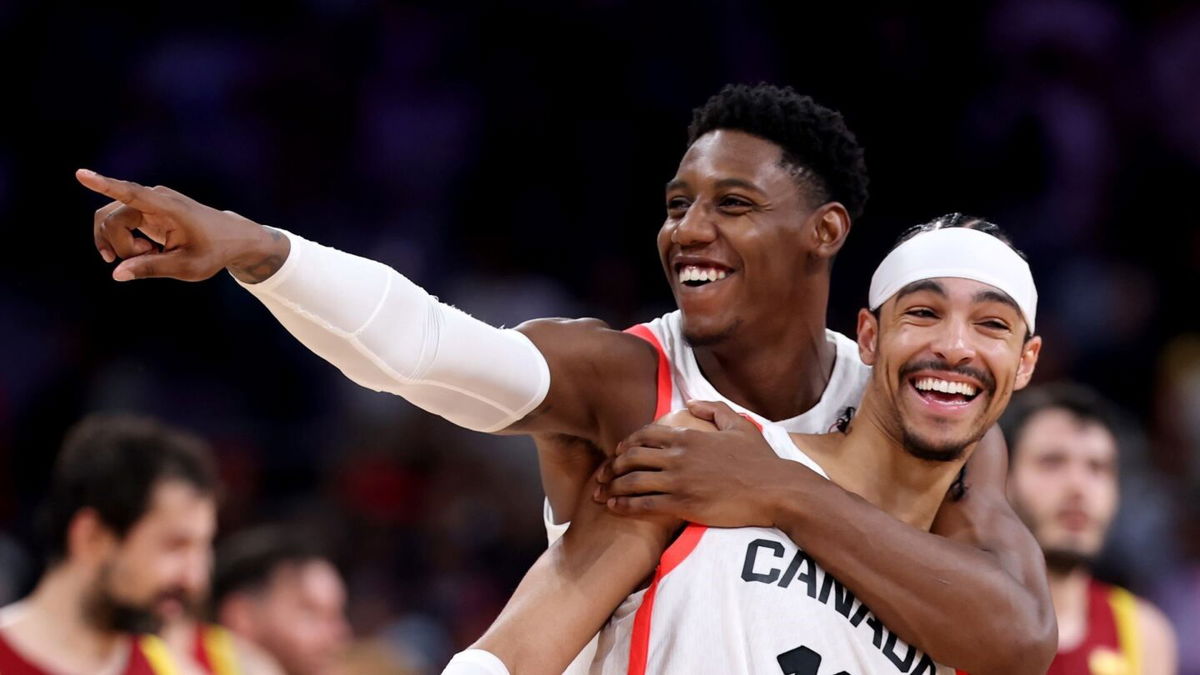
759	337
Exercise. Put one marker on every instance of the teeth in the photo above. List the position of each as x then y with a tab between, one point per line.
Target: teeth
944	386
695	273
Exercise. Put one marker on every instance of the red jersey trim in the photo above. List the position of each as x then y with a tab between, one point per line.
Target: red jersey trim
663	406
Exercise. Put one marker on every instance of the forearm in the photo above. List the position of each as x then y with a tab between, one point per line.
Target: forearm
957	602
572	589
387	334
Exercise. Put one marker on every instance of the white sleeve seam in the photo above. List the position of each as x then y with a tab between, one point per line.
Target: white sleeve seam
387	289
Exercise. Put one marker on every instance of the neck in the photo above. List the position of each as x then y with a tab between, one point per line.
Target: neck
871	462
778	371
179	634
53	616
1068	590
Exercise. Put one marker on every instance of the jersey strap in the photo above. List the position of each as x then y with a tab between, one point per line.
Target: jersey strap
213	649
1124	609
664	368
156	658
639	647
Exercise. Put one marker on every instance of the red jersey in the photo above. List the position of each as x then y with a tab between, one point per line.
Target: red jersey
148	655
1111	643
212	649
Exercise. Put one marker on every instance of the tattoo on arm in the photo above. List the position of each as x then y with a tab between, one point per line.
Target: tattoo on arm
260	268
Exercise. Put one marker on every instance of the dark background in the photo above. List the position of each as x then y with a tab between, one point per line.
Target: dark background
511	157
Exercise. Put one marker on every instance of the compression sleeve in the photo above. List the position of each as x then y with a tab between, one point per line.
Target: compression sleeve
387	334
475	662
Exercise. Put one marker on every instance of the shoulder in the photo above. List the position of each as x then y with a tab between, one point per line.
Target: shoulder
1157	634
252	659
11	614
584	335
590	347
685	420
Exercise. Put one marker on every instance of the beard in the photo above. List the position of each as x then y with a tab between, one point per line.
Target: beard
945	451
922	449
106	611
1062	561
109	613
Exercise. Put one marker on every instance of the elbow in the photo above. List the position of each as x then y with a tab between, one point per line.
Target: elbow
1022	639
1028	648
1034	651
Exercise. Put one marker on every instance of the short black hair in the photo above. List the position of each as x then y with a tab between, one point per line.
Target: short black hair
246	560
111	463
1082	403
959	220
817	146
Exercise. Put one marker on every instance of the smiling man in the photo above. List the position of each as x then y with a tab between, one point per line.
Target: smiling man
760	205
744	597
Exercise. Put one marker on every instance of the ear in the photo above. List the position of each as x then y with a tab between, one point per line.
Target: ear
1029	357
88	538
868	336
830	226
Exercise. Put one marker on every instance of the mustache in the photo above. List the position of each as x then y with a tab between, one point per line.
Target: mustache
189	601
983	377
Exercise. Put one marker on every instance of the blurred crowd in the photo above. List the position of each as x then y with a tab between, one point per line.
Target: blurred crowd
510	158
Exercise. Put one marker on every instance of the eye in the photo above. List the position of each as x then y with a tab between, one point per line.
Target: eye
1051	461
921	313
994	324
677	205
732	203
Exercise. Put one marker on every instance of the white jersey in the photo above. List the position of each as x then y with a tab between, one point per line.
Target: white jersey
748	600
680	380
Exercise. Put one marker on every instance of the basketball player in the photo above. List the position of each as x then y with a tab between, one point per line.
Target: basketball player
271	586
761	203
1064	485
129	526
948	352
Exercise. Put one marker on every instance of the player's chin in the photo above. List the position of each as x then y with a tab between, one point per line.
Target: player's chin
704	331
937	444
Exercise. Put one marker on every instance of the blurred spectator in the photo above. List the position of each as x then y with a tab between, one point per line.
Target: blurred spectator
274	587
128	527
1064	484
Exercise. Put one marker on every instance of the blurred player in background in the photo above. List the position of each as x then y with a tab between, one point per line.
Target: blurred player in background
1064	484
273	587
129	525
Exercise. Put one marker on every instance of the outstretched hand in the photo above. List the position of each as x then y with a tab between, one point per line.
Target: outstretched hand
674	468
185	239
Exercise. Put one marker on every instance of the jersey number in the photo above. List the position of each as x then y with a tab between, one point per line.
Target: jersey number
801	661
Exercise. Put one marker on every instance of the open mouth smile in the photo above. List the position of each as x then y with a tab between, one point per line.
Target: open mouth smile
948	395
697	275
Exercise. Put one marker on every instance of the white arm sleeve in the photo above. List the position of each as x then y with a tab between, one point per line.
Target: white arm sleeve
475	662
387	334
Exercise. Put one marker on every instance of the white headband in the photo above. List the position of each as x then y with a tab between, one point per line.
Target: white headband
958	252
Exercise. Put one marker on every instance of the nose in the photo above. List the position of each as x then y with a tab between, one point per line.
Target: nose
697	226
952	343
197	569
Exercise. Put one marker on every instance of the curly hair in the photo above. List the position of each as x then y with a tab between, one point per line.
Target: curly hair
817	147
